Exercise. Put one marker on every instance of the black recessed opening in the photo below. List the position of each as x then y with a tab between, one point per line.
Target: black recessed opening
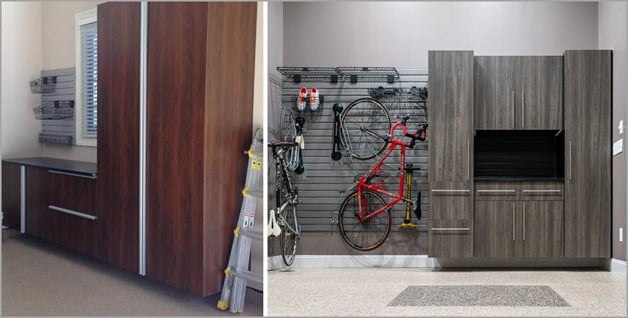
519	154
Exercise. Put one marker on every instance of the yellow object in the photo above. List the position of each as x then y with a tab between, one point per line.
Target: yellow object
407	225
236	231
245	192
227	270
256	164
250	152
223	305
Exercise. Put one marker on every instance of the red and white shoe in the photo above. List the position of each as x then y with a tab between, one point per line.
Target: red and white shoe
314	101
301	99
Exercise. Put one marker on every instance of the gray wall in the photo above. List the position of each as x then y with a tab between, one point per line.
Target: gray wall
613	35
400	34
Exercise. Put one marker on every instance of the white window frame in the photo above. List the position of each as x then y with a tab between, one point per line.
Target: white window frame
82	18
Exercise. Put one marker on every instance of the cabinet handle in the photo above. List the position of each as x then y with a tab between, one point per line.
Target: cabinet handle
542	191
72	212
451	229
468	161
524	221
496	191
523	108
450	191
87	176
514	121
513	221
570	160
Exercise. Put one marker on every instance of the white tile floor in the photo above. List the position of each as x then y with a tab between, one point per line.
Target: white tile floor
367	292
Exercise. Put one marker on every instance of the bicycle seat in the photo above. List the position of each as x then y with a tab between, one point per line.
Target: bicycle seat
282	144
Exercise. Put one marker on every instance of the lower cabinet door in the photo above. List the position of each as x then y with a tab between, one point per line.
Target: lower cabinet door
451	220
543	228
494	228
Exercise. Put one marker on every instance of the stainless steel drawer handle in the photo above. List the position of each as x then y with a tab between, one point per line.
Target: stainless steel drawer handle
87	176
543	191
72	212
496	191
451	229
450	191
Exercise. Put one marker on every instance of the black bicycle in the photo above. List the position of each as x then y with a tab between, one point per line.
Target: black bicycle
283	219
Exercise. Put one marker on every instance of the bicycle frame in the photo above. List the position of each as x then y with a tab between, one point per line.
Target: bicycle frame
282	173
362	181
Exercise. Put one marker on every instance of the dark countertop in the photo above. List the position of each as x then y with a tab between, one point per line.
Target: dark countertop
511	179
71	166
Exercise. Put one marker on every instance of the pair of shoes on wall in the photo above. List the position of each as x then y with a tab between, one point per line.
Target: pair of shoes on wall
314	101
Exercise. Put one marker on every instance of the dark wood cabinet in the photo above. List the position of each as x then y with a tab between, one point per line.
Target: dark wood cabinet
588	153
519	219
495	228
494	92
199	114
542	232
450	153
540	92
518	92
118	133
11	195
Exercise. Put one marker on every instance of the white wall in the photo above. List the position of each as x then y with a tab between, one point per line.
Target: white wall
58	44
613	35
21	63
400	33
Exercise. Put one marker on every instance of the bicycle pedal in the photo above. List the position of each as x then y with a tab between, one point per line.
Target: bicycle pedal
407	225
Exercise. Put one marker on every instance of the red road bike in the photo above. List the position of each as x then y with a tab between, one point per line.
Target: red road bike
364	219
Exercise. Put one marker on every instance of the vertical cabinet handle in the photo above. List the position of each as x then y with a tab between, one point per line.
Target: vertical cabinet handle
513	221
468	161
570	160
524	221
514	121
523	108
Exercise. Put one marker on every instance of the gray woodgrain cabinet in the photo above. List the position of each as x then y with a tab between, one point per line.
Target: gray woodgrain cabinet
526	223
450	153
539	92
494	228
494	92
588	153
518	92
542	228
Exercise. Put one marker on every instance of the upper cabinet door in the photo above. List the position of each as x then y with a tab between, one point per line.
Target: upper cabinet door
540	92
494	92
588	153
450	115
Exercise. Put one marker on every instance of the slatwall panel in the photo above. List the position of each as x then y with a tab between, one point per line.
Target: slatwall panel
64	90
323	178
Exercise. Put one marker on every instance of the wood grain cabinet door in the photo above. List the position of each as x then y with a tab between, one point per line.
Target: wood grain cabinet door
542	232
588	153
450	115
494	228
451	220
539	97
494	92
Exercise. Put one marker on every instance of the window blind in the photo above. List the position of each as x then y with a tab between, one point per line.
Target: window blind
89	80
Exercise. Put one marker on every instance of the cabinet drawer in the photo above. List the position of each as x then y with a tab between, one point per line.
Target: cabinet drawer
451	238
451	200
496	191
542	191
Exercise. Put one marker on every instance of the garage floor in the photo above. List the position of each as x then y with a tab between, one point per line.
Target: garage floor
389	292
41	279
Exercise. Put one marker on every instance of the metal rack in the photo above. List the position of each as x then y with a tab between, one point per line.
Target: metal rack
352	74
44	84
54	110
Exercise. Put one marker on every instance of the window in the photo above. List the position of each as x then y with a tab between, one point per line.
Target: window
86	105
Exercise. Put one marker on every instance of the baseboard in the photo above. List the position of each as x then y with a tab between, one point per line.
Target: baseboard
423	261
615	266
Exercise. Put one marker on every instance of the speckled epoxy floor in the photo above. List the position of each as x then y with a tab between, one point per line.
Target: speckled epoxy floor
368	291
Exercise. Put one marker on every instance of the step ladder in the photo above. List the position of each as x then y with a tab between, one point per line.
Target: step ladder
237	273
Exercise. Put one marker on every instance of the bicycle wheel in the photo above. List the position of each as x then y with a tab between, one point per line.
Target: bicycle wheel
360	120
288	132
289	235
369	234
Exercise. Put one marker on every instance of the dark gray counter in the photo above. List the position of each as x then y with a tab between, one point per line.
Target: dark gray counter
70	166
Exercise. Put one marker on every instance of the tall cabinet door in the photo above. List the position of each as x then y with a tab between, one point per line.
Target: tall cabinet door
494	92
451	148
451	115
118	133
588	153
540	92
